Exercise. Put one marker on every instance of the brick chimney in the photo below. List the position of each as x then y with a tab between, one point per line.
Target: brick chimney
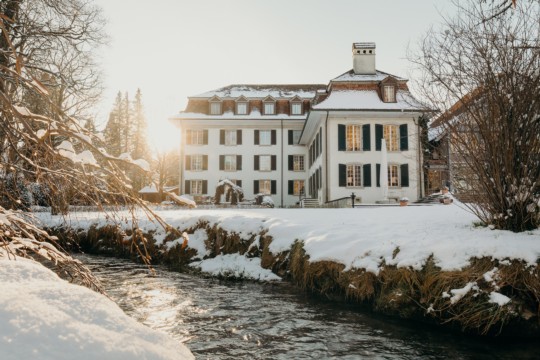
363	58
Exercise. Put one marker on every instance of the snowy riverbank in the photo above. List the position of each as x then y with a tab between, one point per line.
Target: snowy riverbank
430	263
44	317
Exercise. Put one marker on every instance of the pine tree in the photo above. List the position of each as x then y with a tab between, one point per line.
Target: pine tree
139	141
113	130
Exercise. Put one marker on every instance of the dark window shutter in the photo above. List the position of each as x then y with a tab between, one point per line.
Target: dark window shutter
366	175
273	187
187	187
205	162
238	137
205	187
378	136
378	174
320	177
188	137
342	175
342	143
256	162
221	162
366	138
188	162
205	137
291	162
255	187
291	187
273	161
221	137
404	175
403	137
239	183
238	162
256	137
273	136
291	137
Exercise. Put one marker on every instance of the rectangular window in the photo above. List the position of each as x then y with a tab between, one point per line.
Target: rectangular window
196	162
298	162
241	108
230	163
230	137
265	187
391	136
393	175
197	137
296	136
354	136
265	137
389	94
215	108
269	108
354	175
296	109
298	187
196	187
265	163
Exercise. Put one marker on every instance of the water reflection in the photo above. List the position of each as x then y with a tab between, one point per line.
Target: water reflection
224	320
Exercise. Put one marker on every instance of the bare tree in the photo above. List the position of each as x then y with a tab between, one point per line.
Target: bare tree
484	77
49	145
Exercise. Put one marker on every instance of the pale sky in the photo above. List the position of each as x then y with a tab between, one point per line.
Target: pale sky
172	49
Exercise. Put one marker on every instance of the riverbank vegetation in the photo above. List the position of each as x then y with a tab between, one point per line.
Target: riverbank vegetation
470	278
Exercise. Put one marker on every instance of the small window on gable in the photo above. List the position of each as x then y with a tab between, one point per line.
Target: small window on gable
215	106
269	106
296	106
389	93
242	106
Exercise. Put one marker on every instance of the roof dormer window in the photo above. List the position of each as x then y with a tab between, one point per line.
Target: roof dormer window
215	106
389	93
269	106
296	106
242	106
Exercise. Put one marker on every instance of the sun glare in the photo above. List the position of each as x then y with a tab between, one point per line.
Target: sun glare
163	136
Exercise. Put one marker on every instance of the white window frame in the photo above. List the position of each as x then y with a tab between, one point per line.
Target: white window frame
241	108
230	137
197	162
215	108
265	137
265	160
299	163
354	175
394	178
196	187
354	138
389	93
197	137
296	108
229	163
298	185
269	108
391	136
265	187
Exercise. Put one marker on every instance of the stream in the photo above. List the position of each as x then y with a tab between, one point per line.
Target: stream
245	320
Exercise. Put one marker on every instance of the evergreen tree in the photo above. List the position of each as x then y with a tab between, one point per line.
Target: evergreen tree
113	129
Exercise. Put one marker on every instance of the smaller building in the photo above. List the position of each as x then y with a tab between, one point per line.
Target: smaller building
151	194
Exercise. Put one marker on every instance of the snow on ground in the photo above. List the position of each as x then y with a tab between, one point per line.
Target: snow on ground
44	317
358	238
237	266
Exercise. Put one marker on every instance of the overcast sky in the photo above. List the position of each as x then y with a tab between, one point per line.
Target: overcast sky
172	49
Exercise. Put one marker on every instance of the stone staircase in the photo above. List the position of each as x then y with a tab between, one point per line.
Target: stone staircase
309	203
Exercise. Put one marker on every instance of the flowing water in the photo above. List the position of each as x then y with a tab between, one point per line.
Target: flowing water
244	320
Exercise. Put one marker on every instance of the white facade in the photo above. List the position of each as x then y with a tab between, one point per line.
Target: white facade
337	133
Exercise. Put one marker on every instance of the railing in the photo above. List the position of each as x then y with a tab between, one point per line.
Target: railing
338	203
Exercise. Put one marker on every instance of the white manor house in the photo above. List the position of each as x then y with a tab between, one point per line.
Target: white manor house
320	142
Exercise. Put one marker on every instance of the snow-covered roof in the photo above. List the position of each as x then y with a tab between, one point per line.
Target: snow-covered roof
262	91
350	76
255	114
149	189
368	100
364	45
